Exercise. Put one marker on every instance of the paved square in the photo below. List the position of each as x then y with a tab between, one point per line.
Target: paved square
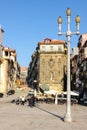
42	117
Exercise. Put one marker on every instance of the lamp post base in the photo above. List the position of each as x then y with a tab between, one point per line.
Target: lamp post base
67	118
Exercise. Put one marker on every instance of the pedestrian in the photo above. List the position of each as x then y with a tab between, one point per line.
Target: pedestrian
22	100
32	101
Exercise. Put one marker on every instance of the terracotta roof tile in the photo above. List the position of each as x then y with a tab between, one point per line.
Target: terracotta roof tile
49	41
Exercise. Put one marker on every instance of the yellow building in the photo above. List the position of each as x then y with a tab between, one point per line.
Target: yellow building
48	65
9	67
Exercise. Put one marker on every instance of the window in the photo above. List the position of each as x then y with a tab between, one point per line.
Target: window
43	48
59	48
51	48
6	53
47	40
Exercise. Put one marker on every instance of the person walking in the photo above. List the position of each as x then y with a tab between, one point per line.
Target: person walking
32	101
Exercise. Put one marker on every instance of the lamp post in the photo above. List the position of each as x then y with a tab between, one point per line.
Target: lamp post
68	34
35	83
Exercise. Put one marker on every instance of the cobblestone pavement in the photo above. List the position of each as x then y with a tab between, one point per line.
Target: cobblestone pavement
42	117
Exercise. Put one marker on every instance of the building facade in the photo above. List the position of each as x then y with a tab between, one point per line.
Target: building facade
47	69
23	75
74	69
82	45
9	68
79	65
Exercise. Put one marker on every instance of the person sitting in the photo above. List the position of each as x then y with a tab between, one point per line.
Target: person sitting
22	100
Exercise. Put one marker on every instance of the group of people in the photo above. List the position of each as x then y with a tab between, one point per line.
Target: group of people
22	100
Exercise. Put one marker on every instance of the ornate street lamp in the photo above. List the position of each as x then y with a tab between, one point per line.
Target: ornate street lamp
68	34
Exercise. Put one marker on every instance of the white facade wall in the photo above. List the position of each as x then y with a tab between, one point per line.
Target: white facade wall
4	76
51	47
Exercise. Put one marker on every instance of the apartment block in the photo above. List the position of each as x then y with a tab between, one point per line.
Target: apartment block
47	69
9	67
79	66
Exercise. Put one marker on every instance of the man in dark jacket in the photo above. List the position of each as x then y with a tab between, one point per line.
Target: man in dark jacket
32	101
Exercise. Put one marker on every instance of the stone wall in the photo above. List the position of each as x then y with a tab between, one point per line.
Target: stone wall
52	70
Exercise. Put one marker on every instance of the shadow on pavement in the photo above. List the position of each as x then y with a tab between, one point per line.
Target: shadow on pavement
61	118
82	104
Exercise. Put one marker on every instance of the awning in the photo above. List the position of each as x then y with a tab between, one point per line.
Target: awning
73	93
54	92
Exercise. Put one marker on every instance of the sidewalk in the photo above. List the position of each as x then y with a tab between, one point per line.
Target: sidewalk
42	117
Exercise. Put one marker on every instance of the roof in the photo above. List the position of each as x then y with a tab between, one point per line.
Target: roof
13	51
23	69
8	49
48	41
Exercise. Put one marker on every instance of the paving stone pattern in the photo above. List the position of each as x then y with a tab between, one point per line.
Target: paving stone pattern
42	117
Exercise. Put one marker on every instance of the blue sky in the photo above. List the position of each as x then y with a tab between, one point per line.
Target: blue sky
26	22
